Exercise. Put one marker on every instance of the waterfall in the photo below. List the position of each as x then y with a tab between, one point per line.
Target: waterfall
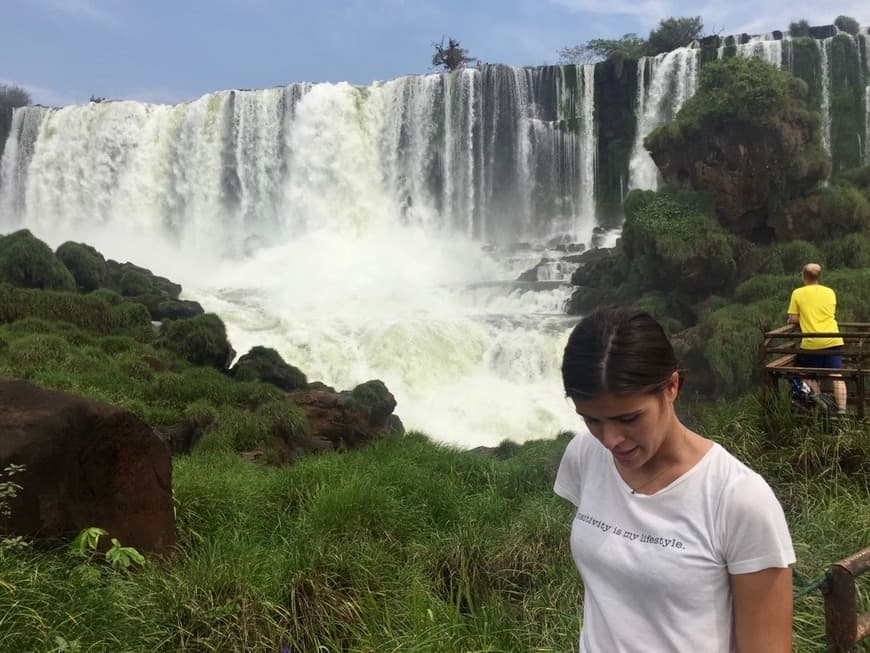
824	66
866	42
16	158
344	226
763	47
673	80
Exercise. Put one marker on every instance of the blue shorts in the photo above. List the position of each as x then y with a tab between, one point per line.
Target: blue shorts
829	358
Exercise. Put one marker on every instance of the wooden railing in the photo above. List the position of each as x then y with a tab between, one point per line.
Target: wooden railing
844	627
778	349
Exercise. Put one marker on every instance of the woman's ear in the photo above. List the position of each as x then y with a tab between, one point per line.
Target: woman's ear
672	389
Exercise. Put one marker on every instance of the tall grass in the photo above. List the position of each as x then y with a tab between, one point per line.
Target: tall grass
406	545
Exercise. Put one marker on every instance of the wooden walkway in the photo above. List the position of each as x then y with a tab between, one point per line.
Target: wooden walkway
776	360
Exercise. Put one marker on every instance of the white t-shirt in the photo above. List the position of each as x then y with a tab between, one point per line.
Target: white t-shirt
656	568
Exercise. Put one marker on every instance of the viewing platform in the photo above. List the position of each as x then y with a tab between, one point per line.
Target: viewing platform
779	348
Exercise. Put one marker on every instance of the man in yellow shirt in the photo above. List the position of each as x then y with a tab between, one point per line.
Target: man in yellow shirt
814	308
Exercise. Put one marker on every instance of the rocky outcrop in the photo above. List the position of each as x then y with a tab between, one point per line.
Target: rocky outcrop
349	419
87	464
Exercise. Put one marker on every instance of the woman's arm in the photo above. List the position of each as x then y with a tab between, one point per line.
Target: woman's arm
763	610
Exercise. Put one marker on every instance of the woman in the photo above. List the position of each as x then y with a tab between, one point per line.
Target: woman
681	547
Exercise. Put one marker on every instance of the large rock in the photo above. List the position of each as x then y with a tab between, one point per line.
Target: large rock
87	464
349	419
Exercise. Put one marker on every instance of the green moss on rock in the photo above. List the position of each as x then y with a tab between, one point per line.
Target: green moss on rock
27	262
86	264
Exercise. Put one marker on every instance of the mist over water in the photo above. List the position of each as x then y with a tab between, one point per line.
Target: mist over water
361	232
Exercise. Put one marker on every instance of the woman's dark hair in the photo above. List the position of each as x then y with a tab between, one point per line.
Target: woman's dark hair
619	351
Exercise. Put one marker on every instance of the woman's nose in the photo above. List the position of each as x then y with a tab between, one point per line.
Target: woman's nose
611	435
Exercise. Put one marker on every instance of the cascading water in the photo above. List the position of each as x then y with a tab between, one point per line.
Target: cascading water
673	79
344	226
825	69
763	47
866	50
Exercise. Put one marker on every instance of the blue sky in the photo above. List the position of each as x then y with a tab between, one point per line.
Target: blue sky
63	51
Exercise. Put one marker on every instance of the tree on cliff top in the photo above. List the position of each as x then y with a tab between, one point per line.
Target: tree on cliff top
13	96
673	33
451	57
630	45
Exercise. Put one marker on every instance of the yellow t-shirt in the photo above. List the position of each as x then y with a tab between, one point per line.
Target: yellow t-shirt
816	306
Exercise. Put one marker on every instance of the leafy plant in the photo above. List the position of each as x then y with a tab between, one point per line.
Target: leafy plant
123	557
87	541
118	556
8	491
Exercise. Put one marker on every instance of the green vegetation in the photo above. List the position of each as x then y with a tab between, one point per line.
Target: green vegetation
86	264
673	33
799	28
28	262
202	340
406	545
847	24
11	97
670	34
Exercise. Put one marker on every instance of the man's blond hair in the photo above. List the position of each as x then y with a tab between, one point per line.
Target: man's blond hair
812	271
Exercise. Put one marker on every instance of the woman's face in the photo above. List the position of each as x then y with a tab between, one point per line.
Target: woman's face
632	427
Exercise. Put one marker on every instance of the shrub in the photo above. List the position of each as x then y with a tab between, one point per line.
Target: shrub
202	340
795	254
27	262
86	264
852	251
844	209
284	419
84	311
109	296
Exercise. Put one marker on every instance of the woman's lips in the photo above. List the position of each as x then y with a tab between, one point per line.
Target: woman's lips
623	455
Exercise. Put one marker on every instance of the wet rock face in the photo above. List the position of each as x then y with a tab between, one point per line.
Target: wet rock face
87	464
751	171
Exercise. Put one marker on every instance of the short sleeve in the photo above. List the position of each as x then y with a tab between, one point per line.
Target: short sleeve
568	477
753	527
792	305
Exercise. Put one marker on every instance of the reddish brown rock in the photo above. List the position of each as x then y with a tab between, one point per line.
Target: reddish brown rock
349	419
87	464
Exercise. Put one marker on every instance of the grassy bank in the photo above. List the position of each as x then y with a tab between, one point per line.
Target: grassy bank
404	546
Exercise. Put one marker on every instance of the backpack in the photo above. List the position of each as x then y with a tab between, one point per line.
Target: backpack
803	397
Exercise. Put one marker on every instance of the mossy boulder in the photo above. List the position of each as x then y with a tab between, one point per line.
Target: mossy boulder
265	364
27	262
376	399
86	264
748	138
201	340
121	279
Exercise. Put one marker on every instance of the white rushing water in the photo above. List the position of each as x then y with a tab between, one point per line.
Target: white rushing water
763	47
665	82
825	69
866	50
345	227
